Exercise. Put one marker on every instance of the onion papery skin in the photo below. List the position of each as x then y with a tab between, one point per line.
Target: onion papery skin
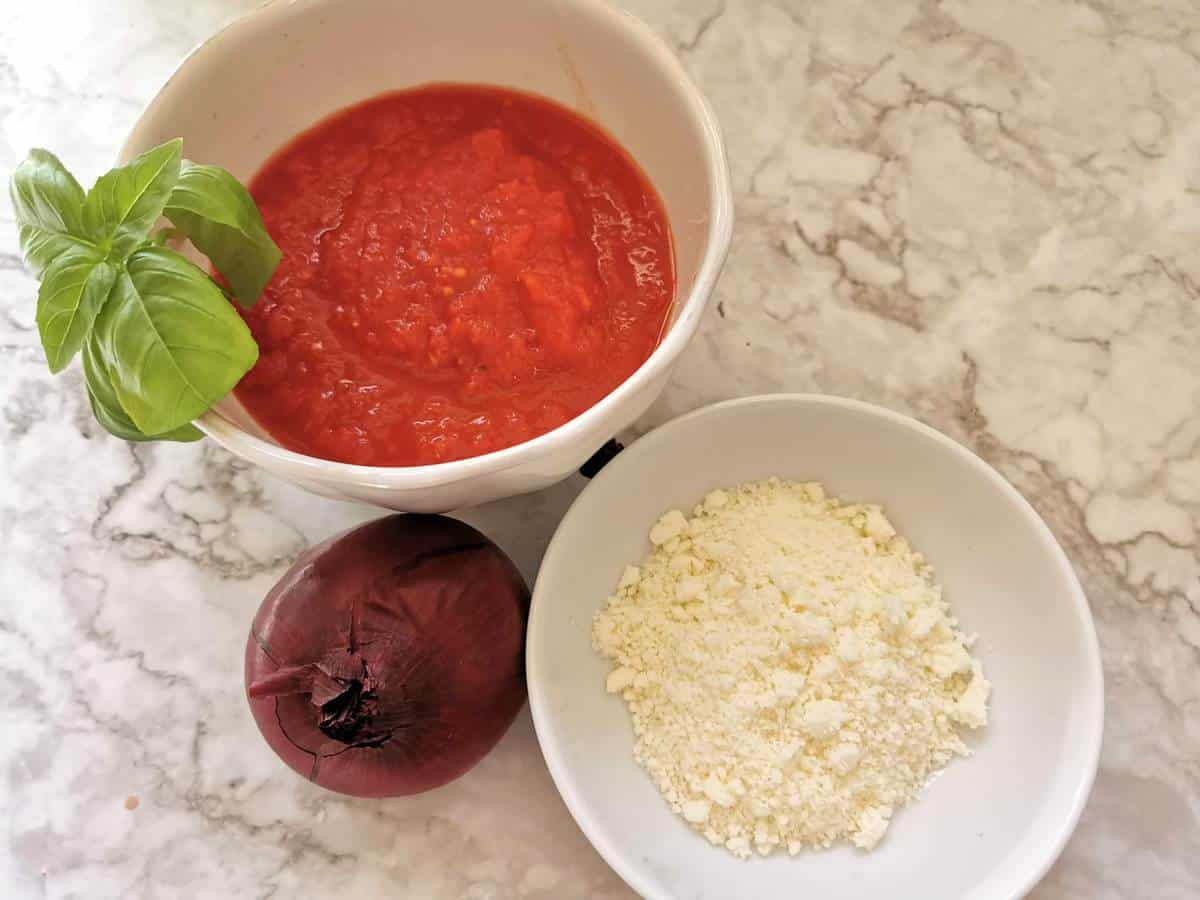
389	660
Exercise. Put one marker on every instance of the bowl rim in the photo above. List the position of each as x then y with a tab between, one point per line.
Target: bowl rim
1036	863
691	307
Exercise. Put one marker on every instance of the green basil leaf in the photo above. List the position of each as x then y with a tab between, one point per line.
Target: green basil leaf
108	411
218	215
74	288
48	203
124	204
172	344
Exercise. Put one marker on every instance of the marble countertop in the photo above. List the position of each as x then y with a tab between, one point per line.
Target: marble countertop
984	213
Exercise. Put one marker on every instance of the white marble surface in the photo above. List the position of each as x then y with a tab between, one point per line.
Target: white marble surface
983	213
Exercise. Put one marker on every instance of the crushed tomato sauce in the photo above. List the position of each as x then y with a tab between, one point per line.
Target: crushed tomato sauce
464	268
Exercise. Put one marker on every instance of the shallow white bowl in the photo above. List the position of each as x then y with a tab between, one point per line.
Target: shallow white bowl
248	90
991	824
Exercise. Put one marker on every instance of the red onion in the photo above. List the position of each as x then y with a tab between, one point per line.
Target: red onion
389	660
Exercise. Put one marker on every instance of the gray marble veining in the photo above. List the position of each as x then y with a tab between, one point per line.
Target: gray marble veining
985	214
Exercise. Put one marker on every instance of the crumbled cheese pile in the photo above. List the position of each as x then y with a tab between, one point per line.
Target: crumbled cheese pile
791	669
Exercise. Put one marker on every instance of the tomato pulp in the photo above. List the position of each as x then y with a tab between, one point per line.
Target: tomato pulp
464	268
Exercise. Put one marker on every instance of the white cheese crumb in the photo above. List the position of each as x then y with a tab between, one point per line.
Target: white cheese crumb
877	526
717	792
792	671
971	708
844	757
725	584
619	679
786	684
689	588
739	845
716	499
822	718
949	658
871	826
696	811
809	629
629	578
671	525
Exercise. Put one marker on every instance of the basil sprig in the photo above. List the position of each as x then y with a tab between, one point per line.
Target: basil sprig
160	341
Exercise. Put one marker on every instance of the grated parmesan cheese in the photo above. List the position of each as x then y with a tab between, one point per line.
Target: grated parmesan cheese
791	670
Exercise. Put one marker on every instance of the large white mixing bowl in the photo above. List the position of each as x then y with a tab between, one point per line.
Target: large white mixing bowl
273	73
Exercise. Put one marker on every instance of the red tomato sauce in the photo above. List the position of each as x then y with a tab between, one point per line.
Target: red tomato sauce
464	268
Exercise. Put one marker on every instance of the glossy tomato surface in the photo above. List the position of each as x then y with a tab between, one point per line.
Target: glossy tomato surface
464	268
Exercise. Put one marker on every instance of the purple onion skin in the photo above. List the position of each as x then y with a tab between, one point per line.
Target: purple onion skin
389	660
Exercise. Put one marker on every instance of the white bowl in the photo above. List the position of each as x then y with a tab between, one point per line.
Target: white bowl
271	74
990	825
